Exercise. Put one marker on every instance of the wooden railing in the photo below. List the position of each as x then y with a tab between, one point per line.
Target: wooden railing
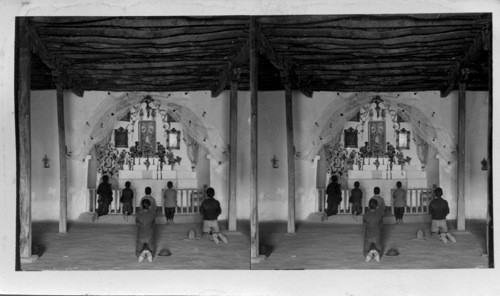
188	201
417	201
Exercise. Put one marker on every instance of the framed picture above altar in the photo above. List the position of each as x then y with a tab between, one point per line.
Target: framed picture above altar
121	138
377	138
403	139
147	137
173	139
350	138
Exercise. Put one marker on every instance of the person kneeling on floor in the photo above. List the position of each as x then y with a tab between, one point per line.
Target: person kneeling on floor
373	232
438	208
210	209
145	221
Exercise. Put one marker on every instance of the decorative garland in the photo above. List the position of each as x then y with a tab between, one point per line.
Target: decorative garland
340	160
107	157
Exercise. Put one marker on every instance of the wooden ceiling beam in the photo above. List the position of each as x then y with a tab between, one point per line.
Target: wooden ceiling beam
367	51
152	53
150	49
374	66
470	56
372	21
396	41
168	41
150	72
146	65
241	58
286	72
55	65
142	22
134	33
368	34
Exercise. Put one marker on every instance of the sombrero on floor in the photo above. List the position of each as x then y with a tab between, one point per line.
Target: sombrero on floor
164	252
392	252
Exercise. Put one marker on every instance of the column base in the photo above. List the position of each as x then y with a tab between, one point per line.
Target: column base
290	233
30	259
258	259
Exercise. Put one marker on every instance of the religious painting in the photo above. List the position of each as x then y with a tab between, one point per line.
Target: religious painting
126	117
147	137
403	139
350	138
173	139
171	119
356	117
377	138
121	138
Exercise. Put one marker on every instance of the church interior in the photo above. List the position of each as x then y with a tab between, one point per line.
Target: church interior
265	110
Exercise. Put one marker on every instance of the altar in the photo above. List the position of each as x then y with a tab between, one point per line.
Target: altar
370	176
141	176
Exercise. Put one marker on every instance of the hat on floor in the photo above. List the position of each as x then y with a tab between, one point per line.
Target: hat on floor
191	235
392	252
420	234
164	252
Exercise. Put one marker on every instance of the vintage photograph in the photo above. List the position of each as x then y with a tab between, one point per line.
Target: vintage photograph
254	142
227	195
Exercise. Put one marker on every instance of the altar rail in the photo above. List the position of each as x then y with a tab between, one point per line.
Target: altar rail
417	201
188	201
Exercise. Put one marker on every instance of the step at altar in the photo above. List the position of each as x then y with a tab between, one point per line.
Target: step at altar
119	219
348	219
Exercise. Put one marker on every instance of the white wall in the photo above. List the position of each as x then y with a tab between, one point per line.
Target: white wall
272	187
476	147
44	141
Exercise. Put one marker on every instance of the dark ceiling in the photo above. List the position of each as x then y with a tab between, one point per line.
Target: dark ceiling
317	52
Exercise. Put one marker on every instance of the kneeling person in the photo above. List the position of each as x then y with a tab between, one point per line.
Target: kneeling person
210	209
373	232
438	208
145	220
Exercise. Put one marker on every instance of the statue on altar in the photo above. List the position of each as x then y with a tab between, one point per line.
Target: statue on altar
377	138
147	137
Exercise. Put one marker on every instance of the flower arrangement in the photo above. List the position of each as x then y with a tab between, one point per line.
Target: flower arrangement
402	160
147	163
135	151
122	158
341	160
351	159
391	153
161	152
359	161
147	150
172	159
107	157
365	151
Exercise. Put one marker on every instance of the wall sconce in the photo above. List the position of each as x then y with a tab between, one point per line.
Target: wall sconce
46	161
274	161
484	164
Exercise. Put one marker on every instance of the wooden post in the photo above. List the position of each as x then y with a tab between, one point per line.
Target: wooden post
254	219
461	157
489	212
233	132
24	156
290	149
63	175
